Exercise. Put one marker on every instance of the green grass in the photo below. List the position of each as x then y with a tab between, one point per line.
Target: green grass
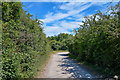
43	61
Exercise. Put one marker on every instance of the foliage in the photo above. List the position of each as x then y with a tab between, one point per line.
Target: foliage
97	41
60	41
0	38
23	42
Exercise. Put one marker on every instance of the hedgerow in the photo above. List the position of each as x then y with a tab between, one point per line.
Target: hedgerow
24	45
97	41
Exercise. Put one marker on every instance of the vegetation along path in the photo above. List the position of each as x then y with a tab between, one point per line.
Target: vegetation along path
61	66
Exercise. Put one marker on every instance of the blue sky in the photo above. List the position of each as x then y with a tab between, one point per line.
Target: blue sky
63	17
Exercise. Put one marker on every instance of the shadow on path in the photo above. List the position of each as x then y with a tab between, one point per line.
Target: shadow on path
69	66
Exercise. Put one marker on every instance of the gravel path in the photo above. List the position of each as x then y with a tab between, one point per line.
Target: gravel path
61	66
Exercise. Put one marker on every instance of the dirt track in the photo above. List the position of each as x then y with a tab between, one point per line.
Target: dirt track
61	66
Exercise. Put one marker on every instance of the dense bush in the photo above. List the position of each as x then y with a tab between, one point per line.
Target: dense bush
24	45
59	42
0	38
97	41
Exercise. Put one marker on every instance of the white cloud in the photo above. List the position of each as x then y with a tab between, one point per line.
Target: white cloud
69	18
53	30
61	27
69	25
54	7
54	17
74	11
48	15
71	5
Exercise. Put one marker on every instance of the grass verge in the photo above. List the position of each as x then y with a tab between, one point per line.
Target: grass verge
43	62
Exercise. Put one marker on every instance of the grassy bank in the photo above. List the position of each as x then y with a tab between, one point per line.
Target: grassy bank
42	63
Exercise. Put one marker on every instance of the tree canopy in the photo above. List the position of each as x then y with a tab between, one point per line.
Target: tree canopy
59	42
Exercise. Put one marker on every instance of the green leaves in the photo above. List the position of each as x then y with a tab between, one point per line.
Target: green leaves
24	45
95	41
59	42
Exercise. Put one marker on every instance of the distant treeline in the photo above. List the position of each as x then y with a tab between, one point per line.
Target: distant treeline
97	41
24	45
60	41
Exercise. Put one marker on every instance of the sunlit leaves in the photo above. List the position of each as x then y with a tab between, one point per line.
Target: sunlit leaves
96	40
24	45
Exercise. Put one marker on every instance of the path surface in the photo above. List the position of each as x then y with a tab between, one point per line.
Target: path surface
61	66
